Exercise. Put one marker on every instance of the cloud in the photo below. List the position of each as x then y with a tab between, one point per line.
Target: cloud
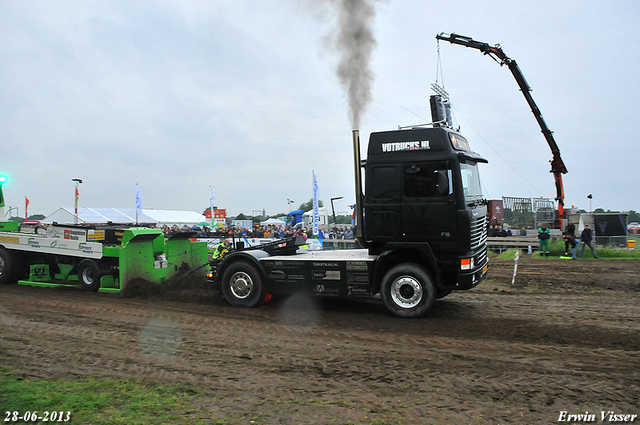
243	96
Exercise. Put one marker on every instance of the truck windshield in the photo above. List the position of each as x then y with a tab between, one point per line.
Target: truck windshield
471	182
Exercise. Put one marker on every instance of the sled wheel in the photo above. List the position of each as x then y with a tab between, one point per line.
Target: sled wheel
407	290
8	266
243	285
89	275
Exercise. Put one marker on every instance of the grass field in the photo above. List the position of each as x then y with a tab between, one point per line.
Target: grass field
97	401
556	250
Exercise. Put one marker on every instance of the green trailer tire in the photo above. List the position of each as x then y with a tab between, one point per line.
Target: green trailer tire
9	267
89	275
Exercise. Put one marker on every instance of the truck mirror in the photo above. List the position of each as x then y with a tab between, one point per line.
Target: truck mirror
443	182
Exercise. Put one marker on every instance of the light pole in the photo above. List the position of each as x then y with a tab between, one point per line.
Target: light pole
75	216
333	209
11	209
289	202
590	197
3	180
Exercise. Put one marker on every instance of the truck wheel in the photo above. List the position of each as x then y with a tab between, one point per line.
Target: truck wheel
243	285
89	275
408	291
8	266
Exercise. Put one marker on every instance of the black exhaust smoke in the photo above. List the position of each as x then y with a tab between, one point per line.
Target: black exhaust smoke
355	42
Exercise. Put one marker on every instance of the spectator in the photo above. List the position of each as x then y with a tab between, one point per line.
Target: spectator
301	232
288	232
570	232
543	236
573	242
585	239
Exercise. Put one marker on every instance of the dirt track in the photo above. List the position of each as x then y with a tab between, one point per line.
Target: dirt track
566	337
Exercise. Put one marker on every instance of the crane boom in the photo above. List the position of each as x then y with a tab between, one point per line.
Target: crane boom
495	52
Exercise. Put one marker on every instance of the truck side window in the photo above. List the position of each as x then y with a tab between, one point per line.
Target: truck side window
385	182
424	180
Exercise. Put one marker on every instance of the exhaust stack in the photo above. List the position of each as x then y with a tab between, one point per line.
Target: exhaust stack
357	167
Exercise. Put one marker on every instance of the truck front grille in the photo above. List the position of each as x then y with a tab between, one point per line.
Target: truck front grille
479	230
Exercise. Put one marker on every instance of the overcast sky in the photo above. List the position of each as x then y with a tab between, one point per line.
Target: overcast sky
243	96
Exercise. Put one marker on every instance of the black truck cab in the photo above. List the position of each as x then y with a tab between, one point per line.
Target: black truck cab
423	196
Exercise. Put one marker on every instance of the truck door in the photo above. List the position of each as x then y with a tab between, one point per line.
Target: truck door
427	210
382	206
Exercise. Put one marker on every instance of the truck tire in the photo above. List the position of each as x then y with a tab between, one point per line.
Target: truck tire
9	267
89	275
407	290
243	285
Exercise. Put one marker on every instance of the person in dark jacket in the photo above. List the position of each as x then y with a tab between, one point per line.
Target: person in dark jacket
573	242
585	239
570	232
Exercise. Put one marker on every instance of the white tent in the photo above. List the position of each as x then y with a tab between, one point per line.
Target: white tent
125	216
272	221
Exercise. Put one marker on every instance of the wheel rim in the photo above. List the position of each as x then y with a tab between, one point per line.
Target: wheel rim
406	292
87	276
241	285
1	266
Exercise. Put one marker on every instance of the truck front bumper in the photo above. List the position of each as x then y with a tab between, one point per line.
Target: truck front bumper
473	278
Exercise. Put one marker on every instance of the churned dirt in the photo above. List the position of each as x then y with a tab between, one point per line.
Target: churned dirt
564	337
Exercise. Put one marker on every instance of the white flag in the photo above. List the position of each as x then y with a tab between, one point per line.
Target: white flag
315	204
211	199
138	202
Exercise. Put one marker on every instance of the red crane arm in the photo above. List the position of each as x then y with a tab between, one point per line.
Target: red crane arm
495	52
